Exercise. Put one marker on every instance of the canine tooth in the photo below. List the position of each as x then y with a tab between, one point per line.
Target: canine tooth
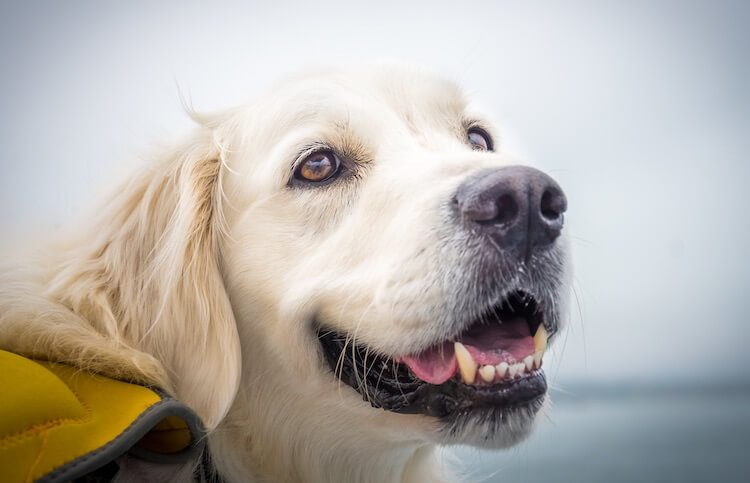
466	363
512	370
538	359
487	373
540	339
529	362
501	369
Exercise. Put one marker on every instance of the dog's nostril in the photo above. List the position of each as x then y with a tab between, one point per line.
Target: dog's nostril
553	205
507	209
519	208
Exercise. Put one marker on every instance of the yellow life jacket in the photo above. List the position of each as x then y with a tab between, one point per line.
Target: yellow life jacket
58	423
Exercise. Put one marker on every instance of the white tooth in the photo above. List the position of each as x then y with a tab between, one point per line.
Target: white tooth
540	339
519	368
538	359
501	369
529	362
487	373
512	370
466	363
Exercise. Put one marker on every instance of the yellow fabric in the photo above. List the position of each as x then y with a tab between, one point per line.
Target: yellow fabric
37	396
171	435
51	414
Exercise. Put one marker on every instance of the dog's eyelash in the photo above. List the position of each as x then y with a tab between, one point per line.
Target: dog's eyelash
470	124
308	150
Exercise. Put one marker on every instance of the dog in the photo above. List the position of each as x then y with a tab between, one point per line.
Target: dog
340	277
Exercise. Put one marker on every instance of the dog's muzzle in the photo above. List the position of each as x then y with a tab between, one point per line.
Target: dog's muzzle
491	364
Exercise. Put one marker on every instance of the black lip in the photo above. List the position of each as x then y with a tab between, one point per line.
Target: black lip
386	384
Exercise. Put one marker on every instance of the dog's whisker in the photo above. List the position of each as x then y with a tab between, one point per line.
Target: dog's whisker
380	375
339	370
398	382
364	373
354	357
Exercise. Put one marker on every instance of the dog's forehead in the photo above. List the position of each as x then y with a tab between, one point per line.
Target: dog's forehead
414	94
392	91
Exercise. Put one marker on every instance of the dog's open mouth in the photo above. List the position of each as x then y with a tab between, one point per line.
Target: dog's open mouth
495	364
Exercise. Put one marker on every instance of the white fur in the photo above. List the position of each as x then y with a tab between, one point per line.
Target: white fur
203	273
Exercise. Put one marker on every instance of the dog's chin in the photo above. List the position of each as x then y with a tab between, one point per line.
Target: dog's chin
491	428
451	381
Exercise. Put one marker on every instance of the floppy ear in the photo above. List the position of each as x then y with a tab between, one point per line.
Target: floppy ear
148	276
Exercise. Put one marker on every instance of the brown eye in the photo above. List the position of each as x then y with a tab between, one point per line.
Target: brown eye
318	167
479	140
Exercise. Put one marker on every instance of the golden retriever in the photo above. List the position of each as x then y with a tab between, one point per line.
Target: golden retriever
339	277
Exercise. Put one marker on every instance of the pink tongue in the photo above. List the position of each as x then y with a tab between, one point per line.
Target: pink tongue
509	342
435	365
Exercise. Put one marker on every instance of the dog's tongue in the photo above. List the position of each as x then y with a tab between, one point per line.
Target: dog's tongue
435	365
509	341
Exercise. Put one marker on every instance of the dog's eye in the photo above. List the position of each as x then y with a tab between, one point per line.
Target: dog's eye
479	140
317	167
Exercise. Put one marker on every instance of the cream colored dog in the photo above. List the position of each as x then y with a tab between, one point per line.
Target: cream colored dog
339	278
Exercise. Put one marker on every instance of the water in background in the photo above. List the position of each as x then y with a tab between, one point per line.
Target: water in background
631	434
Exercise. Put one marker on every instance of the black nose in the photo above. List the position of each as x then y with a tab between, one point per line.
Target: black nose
520	207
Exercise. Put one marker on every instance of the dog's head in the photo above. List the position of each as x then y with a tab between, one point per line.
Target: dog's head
354	253
387	261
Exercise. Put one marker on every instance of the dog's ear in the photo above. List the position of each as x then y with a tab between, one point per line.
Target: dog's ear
151	280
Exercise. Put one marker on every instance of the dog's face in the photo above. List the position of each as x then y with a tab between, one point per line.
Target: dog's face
387	262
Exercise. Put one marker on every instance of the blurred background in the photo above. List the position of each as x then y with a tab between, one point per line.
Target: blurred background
639	109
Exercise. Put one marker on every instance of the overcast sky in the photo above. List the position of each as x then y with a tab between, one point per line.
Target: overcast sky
639	109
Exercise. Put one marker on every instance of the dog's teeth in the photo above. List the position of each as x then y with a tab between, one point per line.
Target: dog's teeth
466	363
501	369
512	370
487	373
540	339
529	362
515	370
538	359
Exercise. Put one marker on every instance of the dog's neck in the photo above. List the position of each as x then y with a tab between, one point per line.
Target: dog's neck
405	465
317	444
